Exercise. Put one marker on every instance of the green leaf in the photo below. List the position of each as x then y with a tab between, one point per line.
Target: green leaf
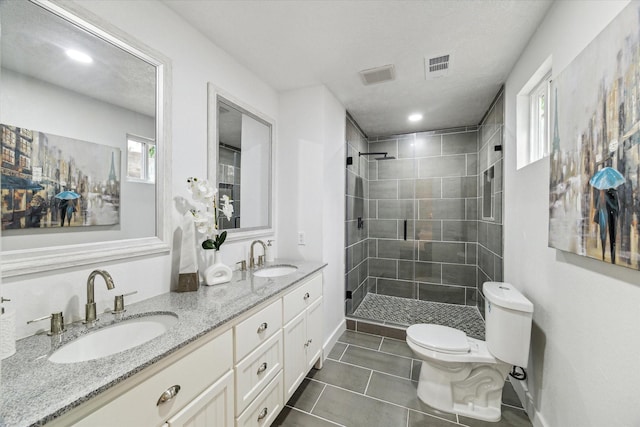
209	244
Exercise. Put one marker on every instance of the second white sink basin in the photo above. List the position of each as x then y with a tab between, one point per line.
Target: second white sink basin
275	271
114	338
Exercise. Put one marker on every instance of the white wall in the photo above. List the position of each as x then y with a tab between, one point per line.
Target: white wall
584	356
195	61
311	189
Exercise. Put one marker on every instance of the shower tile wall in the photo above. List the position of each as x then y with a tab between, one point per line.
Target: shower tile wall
356	251
490	248
433	185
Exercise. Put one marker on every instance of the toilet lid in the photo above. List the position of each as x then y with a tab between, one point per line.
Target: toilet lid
438	338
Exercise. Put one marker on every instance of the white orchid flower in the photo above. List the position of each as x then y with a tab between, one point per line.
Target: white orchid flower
227	207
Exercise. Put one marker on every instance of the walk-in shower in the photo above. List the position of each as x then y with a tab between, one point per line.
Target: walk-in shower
419	243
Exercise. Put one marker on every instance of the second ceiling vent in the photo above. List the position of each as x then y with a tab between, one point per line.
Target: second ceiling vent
378	75
436	66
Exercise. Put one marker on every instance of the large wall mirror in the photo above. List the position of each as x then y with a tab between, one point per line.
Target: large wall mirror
85	140
241	150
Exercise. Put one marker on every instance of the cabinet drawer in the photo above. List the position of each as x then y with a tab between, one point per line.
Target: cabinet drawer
193	373
256	370
301	297
257	329
264	410
213	408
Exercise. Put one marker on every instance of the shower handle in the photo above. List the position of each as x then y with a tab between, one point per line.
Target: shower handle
405	229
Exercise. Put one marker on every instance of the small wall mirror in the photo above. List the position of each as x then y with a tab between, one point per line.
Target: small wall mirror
84	140
242	154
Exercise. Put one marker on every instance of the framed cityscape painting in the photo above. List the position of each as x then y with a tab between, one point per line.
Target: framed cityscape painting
594	195
50	181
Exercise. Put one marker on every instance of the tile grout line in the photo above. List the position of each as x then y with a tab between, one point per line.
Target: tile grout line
318	399
314	415
343	352
368	382
371	369
377	351
384	401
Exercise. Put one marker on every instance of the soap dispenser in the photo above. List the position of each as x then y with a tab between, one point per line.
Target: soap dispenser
270	255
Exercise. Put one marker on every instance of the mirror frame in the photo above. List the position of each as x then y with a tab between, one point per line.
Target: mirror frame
213	93
48	259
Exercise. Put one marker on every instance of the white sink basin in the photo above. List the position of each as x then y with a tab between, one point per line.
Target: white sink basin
275	271
114	338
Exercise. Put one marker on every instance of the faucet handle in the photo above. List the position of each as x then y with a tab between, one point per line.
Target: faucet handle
260	260
57	323
243	265
118	302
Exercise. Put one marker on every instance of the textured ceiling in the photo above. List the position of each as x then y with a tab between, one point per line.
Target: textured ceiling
294	44
34	43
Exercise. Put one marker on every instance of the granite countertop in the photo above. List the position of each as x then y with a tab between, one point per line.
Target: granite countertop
34	390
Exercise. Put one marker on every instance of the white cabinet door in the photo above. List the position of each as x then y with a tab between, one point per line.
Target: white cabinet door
314	333
295	338
212	408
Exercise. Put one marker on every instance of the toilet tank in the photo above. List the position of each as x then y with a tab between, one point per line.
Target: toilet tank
508	316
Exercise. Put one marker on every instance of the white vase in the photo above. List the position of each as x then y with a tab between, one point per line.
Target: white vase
217	272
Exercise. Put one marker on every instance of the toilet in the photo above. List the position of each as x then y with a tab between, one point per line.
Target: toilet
464	375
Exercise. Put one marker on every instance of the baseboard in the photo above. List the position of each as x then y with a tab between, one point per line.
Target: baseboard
332	339
522	390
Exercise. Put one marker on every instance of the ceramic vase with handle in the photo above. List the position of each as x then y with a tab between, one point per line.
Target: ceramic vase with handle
218	272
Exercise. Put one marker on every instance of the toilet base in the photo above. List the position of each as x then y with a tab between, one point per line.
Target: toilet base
470	389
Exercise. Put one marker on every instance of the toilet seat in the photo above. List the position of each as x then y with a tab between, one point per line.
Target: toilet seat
438	338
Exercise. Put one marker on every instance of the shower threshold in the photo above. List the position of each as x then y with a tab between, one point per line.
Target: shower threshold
403	312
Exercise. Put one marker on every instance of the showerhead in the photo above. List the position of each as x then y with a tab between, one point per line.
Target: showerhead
384	154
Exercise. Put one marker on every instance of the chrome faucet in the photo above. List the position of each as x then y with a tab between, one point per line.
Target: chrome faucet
90	307
252	263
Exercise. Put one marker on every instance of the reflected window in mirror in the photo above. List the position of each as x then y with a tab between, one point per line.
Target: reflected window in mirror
244	145
141	159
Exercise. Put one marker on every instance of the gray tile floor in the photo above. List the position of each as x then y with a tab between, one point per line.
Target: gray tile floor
404	312
370	381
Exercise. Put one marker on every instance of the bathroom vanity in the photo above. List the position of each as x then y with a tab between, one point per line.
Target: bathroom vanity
235	356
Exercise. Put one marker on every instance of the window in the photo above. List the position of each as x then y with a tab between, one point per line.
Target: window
539	129
8	156
141	159
533	116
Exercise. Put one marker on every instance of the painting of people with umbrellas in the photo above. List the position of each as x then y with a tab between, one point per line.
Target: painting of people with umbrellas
594	187
51	181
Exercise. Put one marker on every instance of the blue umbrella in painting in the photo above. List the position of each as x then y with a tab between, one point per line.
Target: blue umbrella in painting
607	180
67	207
67	195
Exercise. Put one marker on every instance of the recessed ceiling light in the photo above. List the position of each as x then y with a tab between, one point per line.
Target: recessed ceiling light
76	55
415	117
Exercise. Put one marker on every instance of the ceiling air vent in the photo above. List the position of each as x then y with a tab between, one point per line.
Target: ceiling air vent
378	75
436	66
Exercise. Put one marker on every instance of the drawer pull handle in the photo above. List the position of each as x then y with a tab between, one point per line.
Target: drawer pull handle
262	414
307	296
168	394
262	327
262	368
